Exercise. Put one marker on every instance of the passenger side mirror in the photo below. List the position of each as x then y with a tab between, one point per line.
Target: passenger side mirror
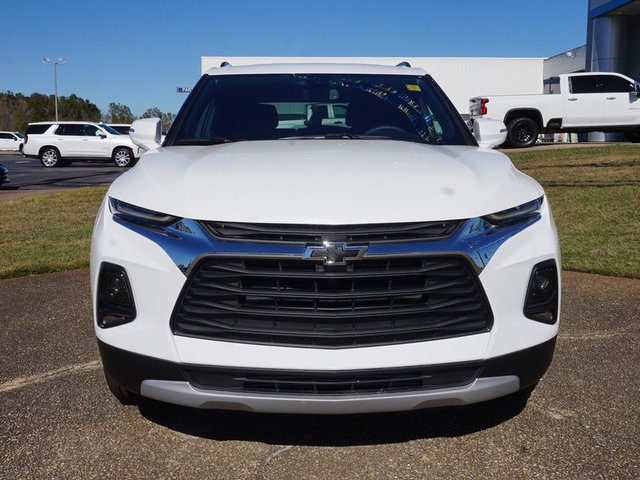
636	87
146	133
489	133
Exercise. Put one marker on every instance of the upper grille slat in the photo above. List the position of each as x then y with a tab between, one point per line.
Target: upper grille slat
220	289
301	234
298	302
230	271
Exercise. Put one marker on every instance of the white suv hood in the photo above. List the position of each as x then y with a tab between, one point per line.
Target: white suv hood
325	182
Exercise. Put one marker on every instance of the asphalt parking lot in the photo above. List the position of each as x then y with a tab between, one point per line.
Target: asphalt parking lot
60	421
29	177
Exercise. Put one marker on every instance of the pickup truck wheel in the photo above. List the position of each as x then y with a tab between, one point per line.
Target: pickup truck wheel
633	136
50	157
123	157
522	132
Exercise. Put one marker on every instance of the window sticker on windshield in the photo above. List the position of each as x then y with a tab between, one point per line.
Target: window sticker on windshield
413	88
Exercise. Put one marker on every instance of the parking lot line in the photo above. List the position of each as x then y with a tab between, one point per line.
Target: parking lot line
43	377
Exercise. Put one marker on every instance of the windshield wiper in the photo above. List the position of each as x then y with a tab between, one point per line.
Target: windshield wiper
351	136
322	136
413	139
206	141
342	135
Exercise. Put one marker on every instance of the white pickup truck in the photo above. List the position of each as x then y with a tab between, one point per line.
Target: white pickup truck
578	102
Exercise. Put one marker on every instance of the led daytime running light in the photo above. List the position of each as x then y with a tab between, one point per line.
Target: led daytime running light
139	215
521	212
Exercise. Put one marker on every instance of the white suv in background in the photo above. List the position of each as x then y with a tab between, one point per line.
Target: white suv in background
11	141
58	143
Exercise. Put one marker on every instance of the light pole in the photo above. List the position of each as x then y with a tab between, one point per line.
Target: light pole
59	61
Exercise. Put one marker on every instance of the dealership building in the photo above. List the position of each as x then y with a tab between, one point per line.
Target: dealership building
613	43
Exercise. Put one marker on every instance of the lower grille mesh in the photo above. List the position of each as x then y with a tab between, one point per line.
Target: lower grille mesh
373	301
331	383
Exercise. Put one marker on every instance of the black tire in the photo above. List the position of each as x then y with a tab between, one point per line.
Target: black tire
50	157
123	157
633	136
522	132
123	395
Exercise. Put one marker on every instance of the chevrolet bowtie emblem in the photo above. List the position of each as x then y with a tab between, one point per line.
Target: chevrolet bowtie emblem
334	253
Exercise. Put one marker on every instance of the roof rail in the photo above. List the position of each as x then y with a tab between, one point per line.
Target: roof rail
404	64
225	64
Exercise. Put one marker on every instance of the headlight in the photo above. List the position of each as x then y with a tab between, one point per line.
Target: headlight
140	216
513	216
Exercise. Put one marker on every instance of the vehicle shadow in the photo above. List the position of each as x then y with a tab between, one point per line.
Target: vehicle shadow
335	430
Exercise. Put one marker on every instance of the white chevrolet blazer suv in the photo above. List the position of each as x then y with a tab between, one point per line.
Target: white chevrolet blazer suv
57	144
391	262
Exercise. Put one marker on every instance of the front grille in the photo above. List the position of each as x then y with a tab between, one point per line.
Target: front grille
316	234
390	380
373	301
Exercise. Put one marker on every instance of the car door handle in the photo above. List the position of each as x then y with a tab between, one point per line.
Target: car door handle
85	139
572	99
611	98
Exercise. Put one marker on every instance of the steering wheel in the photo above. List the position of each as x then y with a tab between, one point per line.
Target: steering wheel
382	128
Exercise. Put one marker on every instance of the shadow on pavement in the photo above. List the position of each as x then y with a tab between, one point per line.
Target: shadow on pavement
335	430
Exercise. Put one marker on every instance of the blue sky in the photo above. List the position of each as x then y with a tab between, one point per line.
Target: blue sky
136	52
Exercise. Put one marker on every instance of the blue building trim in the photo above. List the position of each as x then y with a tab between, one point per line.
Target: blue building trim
607	7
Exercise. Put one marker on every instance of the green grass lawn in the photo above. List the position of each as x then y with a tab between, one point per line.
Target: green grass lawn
594	193
595	197
47	233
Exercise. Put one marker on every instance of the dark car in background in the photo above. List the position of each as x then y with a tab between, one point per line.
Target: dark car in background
3	175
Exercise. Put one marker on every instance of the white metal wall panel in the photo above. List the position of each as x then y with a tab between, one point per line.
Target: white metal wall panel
574	60
461	78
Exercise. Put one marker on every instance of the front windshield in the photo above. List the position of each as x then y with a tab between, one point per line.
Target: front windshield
18	134
286	106
109	129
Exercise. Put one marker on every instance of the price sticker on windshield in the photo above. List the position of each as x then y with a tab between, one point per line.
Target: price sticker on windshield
413	88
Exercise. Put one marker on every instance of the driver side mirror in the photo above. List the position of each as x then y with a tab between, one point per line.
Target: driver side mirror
489	133
146	133
636	87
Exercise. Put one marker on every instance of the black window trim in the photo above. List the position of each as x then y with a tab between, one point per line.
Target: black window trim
599	79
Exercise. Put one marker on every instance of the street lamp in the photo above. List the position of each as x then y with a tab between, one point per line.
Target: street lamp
55	62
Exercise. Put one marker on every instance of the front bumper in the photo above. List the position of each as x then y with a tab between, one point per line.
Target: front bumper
166	381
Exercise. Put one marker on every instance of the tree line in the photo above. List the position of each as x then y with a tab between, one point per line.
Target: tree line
18	110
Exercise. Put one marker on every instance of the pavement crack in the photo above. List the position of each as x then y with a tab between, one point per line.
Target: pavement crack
268	460
46	376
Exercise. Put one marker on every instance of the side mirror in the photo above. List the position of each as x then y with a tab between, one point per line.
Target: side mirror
102	135
146	133
636	87
489	133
